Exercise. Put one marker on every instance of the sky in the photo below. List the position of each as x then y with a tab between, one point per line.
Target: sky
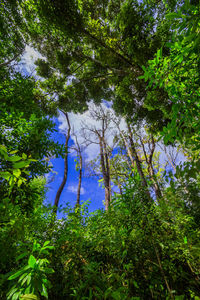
90	187
91	190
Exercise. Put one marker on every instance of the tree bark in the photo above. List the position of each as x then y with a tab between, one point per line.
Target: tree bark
61	187
80	177
136	158
138	164
105	171
150	166
128	149
151	171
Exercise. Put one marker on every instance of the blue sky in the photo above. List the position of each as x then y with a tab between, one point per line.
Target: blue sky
90	187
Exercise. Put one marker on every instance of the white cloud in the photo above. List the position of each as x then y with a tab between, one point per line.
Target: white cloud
73	189
31	54
28	58
77	121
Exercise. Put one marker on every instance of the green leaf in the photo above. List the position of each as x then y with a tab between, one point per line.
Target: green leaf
17	274
14	158
44	291
11	292
174	15
29	297
28	289
46	243
16	172
3	148
135	284
49	270
24	156
141	77
21	164
23	278
29	279
48	247
6	175
16	296
36	246
14	151
32	261
19	183
21	256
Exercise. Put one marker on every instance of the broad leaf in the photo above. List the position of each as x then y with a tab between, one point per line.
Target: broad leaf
32	261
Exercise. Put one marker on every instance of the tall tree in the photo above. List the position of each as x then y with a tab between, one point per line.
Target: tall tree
79	166
95	54
98	135
64	180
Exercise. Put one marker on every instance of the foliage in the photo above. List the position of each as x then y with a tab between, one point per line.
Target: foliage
13	176
178	74
32	279
13	32
25	136
144	57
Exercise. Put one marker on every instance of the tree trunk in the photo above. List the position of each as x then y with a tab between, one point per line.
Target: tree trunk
138	164
61	187
4	64
151	171
150	166
80	180
105	171
129	151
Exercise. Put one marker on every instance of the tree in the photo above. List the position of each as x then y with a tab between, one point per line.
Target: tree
26	130
138	154
178	74
79	166
62	185
92	50
13	33
98	135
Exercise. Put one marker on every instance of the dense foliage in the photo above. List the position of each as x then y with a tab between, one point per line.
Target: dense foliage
144	57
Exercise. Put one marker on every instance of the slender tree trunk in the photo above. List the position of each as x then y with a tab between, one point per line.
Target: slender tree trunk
61	187
78	150
4	64
138	164
151	171
163	273
170	160
137	160
79	180
105	172
149	161
132	153
129	151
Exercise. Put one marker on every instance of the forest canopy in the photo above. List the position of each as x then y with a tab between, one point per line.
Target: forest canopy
129	71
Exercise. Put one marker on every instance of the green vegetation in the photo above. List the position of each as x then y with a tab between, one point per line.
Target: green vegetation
143	57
